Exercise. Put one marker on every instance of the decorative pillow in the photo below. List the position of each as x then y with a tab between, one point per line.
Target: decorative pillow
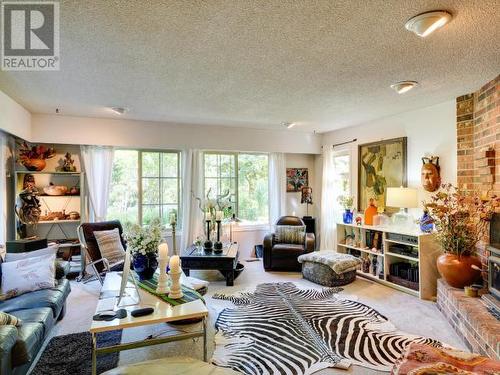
110	245
28	275
10	257
425	359
9	320
292	234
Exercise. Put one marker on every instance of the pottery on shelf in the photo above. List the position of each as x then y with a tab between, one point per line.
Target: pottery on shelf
370	212
347	216
55	190
457	270
34	165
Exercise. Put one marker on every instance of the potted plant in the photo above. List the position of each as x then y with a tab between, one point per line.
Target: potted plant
346	201
461	221
33	158
143	241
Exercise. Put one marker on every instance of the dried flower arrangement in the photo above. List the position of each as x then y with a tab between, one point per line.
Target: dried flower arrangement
33	158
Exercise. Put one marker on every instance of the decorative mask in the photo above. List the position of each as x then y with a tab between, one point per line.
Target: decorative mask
430	175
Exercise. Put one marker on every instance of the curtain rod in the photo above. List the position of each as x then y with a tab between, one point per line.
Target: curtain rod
343	143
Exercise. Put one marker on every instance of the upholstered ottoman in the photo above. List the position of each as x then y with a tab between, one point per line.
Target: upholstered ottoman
329	268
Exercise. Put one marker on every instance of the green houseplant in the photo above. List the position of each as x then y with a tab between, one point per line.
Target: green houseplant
461	219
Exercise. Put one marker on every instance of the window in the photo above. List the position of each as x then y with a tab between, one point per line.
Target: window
342	176
245	177
145	185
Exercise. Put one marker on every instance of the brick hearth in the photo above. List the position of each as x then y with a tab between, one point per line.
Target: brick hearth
470	319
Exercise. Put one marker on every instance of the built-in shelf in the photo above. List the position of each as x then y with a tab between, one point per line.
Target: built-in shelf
413	259
401	243
363	250
76	174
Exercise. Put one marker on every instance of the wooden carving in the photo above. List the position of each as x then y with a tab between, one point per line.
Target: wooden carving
431	173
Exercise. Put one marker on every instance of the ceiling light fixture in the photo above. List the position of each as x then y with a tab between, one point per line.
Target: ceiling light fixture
288	125
426	23
403	86
119	110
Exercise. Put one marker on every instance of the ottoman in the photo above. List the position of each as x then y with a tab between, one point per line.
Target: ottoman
329	268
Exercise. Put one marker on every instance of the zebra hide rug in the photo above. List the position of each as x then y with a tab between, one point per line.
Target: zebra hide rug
280	329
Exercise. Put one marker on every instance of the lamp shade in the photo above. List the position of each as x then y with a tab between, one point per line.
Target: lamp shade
402	197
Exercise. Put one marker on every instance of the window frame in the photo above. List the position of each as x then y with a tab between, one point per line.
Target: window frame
246	225
345	151
140	179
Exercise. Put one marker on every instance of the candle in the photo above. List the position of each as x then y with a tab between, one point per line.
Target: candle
175	264
173	219
163	250
208	216
219	215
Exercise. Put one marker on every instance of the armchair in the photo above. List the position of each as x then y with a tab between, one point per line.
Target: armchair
91	250
283	256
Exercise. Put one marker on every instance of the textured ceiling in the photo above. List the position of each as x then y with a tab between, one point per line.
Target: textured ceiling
325	64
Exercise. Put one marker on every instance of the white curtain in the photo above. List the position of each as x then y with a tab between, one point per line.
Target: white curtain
328	199
98	164
4	154
277	186
192	217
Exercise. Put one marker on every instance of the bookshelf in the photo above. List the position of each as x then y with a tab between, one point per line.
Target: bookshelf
401	259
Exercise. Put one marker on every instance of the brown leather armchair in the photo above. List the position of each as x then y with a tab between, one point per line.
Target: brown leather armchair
281	256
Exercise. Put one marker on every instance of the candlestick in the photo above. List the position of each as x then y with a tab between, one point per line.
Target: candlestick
208	244
208	216
173	219
163	250
162	286
175	264
219	215
174	240
175	290
218	244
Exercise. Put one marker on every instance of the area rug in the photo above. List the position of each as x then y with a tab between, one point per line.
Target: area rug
72	354
281	329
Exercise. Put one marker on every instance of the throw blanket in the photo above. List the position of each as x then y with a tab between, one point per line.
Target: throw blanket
338	262
151	285
280	329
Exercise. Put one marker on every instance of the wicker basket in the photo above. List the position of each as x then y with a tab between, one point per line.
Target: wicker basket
322	274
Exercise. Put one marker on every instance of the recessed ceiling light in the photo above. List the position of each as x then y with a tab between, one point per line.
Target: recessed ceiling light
288	125
403	86
426	23
119	110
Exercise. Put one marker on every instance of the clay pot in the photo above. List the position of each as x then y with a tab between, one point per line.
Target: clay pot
457	270
34	165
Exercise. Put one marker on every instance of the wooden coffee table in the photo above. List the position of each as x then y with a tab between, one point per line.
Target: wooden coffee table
195	259
163	313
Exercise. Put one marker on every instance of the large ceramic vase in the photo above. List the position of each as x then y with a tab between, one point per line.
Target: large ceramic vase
457	270
35	165
145	265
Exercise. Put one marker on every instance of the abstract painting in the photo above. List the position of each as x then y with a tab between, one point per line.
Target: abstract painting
380	165
296	178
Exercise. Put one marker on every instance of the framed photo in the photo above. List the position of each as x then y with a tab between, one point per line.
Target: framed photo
296	179
380	165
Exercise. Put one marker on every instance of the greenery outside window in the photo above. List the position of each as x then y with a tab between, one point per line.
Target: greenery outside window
145	184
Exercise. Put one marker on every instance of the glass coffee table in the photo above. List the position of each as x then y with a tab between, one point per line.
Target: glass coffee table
194	258
163	313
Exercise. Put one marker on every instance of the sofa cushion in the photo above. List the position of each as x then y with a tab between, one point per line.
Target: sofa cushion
30	337
41	315
290	234
53	298
9	320
287	250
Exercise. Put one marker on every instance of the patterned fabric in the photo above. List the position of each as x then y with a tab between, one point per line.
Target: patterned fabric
338	262
150	286
7	319
291	234
110	245
321	274
28	275
280	329
422	359
10	257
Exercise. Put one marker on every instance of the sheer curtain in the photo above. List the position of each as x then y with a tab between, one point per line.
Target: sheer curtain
277	186
98	164
192	217
328	201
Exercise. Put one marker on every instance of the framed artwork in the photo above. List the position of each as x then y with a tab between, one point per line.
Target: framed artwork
296	179
380	165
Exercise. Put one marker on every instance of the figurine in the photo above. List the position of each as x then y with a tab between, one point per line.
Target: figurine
359	220
68	163
28	206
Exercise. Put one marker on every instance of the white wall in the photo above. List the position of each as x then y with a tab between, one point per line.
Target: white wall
143	134
430	131
293	199
14	119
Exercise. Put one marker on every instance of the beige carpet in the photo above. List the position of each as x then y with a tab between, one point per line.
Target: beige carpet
406	312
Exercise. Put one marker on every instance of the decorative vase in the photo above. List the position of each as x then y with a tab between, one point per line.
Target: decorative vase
370	212
347	216
457	270
34	165
426	223
145	265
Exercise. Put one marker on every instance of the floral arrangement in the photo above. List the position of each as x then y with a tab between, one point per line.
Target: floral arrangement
34	152
346	201
461	218
143	240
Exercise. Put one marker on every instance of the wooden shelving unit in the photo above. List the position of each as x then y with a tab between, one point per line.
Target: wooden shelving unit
424	244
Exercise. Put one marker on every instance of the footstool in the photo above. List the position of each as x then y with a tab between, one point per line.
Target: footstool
329	268
171	365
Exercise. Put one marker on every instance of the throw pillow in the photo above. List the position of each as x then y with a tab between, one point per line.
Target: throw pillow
10	257
110	245
9	320
28	275
292	234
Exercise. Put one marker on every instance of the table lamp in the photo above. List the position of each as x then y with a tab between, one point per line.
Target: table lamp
402	198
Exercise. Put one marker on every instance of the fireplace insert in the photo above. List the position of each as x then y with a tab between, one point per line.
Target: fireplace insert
493	298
